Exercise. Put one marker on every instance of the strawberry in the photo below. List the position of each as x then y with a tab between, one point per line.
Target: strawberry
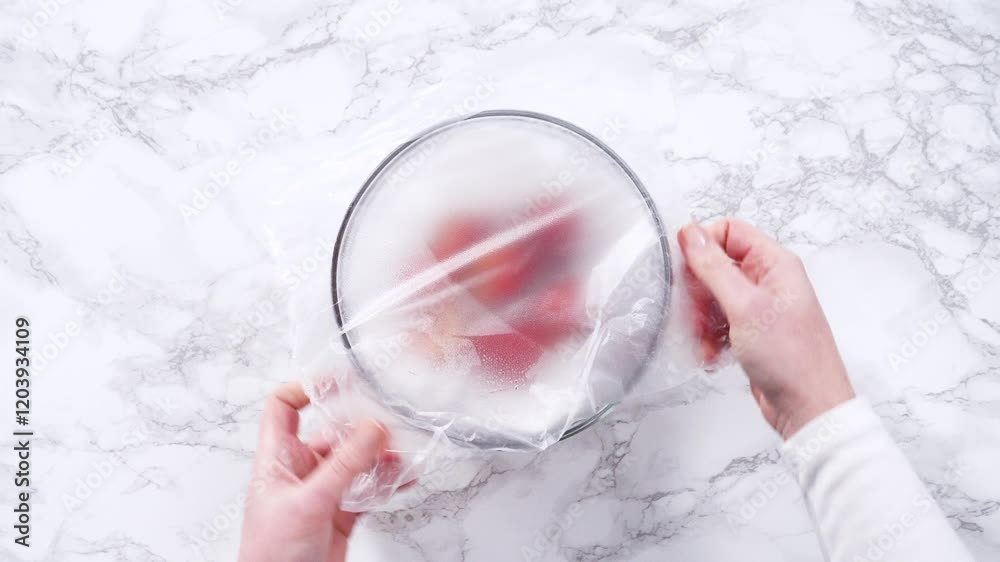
515	281
491	277
555	242
458	234
425	345
551	315
509	356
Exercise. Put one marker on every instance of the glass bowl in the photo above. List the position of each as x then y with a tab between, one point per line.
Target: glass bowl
465	162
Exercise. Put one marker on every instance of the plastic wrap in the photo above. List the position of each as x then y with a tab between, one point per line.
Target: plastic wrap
499	283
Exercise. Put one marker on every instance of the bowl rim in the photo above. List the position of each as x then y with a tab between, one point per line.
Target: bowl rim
486	439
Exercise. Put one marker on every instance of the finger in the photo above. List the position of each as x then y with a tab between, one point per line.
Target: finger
390	470
326	384
756	251
739	239
320	445
357	454
281	416
715	337
710	265
711	328
292	394
325	440
344	521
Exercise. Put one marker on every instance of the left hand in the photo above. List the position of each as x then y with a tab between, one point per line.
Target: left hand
293	505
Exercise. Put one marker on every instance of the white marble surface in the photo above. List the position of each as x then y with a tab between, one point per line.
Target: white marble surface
864	134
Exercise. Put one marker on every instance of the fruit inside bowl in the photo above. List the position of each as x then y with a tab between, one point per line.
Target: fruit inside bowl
514	272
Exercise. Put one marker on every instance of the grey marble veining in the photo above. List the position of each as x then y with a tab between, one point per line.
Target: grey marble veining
167	169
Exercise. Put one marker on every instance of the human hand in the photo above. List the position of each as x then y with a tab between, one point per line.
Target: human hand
775	325
293	506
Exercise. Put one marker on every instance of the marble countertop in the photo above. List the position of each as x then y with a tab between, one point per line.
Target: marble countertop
170	170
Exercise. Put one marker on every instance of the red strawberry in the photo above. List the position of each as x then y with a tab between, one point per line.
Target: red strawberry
555	242
492	277
551	315
509	356
458	234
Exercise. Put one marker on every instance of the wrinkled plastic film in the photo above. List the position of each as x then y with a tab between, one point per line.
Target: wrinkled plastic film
499	283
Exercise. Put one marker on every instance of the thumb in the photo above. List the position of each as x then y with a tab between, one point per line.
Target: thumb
359	453
709	263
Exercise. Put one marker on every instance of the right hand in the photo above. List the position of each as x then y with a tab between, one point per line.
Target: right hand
777	329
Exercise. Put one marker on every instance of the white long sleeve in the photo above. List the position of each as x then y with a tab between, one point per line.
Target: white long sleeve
867	503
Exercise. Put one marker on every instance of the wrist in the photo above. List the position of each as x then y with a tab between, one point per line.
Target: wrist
810	408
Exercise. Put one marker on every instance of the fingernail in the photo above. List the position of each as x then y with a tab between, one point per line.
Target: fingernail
695	235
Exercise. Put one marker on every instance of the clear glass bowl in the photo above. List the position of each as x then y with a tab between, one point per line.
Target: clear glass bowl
387	177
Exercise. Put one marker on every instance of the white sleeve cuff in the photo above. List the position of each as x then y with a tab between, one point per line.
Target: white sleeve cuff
867	502
812	445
